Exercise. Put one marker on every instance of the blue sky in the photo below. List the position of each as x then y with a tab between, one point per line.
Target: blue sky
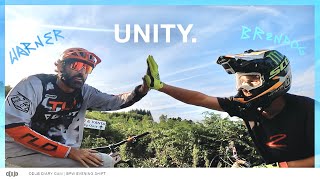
217	29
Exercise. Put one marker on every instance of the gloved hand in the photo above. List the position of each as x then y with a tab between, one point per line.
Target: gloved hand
152	77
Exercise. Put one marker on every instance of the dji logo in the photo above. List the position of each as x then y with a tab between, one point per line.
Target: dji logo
12	173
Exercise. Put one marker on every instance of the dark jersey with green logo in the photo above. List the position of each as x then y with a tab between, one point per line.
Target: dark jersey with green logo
287	136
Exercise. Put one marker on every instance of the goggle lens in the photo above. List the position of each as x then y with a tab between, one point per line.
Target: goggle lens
248	81
77	66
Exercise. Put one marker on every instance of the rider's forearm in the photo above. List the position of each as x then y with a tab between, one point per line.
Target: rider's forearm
191	97
31	139
307	162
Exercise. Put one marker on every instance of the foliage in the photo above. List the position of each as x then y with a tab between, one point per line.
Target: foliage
173	142
7	89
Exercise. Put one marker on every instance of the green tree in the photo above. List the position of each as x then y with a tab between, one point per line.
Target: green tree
7	89
173	142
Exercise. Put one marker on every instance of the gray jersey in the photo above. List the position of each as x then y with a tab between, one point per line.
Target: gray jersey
37	102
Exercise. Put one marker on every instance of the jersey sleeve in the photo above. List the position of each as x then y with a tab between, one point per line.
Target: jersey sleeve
21	104
22	101
100	101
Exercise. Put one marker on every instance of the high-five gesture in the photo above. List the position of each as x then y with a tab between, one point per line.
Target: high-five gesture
152	77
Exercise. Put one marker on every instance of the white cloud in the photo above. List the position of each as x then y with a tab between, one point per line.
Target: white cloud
304	83
77	28
254	9
302	39
190	69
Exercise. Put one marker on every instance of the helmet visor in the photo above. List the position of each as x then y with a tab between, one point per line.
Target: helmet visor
248	81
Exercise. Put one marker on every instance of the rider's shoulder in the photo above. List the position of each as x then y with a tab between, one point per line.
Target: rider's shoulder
35	81
89	89
32	79
45	77
37	77
299	99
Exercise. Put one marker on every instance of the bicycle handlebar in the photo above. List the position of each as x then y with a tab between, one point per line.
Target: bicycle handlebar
112	146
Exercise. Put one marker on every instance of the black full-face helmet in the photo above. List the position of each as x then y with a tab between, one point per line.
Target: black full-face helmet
271	70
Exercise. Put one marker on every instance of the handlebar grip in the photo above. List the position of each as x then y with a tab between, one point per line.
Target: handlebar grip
112	146
102	149
141	135
137	136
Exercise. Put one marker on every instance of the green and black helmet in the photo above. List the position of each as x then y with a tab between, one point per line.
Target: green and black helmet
269	67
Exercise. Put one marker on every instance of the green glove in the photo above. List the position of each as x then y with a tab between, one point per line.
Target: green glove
152	77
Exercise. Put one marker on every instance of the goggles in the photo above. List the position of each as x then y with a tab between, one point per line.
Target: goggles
248	81
78	65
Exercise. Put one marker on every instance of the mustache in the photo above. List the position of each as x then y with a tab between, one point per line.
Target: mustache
78	75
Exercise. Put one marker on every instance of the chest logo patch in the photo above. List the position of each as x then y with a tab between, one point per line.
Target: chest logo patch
275	141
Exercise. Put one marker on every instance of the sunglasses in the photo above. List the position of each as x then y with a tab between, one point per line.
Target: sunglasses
77	66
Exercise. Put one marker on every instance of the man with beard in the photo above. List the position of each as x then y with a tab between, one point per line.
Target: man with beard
45	114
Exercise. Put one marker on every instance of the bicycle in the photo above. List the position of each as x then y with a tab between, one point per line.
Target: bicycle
111	149
224	160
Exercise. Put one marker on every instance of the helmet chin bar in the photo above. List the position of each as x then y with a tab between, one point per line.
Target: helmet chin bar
258	104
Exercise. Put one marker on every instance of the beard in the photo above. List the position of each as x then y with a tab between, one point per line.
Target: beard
74	82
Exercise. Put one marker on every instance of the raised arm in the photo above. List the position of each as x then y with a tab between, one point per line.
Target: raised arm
96	100
307	162
191	97
184	95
